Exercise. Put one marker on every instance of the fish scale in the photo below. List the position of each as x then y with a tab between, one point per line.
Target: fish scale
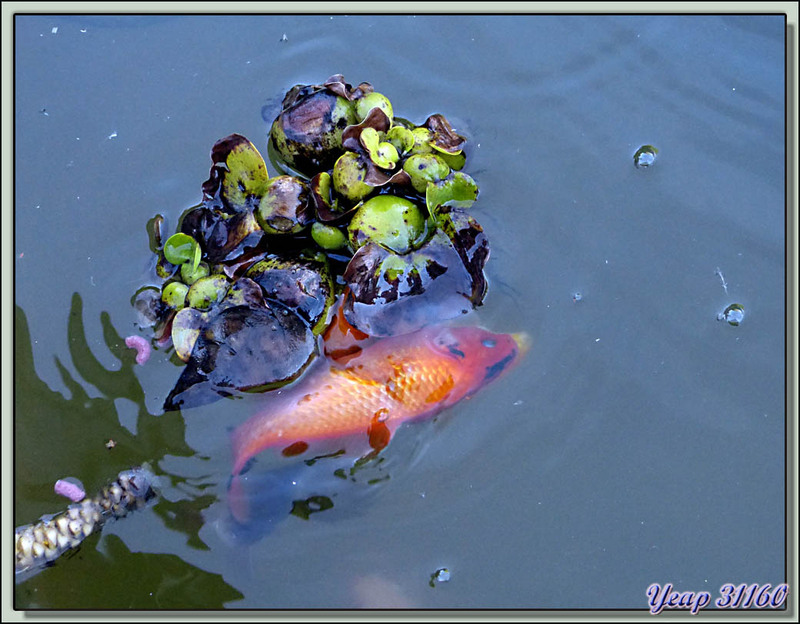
390	381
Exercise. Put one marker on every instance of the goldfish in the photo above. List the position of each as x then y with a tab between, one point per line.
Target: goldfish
378	386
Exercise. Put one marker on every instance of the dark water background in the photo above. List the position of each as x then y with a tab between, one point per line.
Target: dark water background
641	440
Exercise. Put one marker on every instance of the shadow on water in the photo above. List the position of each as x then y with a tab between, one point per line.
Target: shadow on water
261	498
56	436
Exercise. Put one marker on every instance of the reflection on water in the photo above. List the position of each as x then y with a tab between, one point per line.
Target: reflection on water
56	436
130	580
78	430
262	497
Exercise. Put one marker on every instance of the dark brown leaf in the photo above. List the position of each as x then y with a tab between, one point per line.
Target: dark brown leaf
392	294
221	238
376	119
337	85
444	137
244	348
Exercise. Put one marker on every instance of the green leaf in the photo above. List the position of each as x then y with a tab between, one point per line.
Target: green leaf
402	138
238	174
181	248
457	190
196	256
381	153
386	156
455	161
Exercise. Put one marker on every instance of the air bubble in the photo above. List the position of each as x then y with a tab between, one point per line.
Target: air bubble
645	156
733	314
442	575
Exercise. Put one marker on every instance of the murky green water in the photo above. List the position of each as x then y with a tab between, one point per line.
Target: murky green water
641	440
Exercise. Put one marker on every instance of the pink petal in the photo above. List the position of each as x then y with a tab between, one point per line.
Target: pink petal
142	348
71	490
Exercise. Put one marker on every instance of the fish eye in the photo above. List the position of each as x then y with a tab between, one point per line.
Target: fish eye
489	342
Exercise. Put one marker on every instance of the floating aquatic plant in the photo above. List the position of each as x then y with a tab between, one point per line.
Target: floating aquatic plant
182	249
366	208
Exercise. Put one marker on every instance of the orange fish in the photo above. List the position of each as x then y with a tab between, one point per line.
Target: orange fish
377	387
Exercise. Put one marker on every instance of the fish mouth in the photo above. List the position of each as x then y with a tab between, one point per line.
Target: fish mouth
523	342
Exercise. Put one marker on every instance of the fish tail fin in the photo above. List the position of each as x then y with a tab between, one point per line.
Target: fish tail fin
237	500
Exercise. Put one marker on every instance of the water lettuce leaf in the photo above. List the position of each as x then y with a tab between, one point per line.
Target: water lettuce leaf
389	293
458	190
238	175
243	348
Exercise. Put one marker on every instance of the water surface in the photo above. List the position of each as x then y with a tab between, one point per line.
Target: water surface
641	440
